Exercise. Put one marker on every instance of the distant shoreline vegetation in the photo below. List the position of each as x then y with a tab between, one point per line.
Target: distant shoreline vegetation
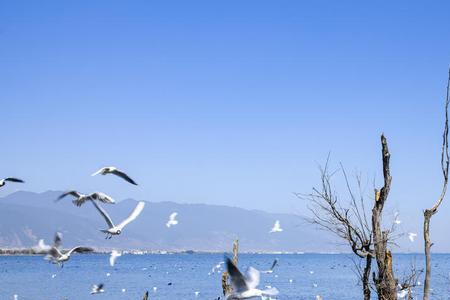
31	252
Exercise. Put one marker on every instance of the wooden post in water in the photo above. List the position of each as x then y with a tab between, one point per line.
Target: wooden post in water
145	296
226	287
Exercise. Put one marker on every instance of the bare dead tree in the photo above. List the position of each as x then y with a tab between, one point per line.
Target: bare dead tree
349	223
385	282
367	241
428	213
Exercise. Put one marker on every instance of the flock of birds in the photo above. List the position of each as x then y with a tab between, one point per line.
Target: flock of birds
243	286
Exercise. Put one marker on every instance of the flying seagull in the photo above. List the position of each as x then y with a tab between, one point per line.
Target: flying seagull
81	198
270	271
97	289
112	258
412	236
115	171
276	227
10	179
402	294
117	229
244	287
172	221
216	268
57	256
42	248
396	219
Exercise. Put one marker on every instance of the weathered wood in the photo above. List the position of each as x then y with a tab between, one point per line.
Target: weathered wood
428	213
366	277
145	296
385	282
226	287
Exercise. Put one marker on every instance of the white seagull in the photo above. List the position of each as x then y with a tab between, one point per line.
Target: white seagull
112	258
10	179
412	236
42	248
97	289
172	221
396	219
117	229
276	227
115	171
244	287
81	198
402	294
270	271
57	256
217	267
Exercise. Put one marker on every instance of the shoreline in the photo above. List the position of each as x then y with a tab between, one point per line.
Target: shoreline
31	252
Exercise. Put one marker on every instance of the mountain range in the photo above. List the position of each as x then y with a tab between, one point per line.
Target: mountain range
26	217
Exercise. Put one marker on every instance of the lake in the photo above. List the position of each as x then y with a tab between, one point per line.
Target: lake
179	276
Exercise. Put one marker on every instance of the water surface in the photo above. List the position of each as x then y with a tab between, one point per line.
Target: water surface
298	276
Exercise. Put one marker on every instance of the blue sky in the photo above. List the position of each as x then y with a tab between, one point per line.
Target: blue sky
231	103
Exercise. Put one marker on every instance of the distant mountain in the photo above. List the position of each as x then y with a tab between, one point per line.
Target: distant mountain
26	217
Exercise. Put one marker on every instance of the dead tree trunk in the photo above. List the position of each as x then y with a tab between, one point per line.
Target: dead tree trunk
428	213
226	287
384	281
366	277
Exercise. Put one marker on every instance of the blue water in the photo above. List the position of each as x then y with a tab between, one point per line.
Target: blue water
30	277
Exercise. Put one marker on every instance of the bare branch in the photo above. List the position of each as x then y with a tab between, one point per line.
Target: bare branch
348	223
428	213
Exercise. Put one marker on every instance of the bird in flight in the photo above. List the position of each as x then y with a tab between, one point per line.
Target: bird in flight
412	236
42	248
10	179
115	171
97	289
270	271
81	198
396	218
113	257
57	256
244	287
276	227
117	229
172	221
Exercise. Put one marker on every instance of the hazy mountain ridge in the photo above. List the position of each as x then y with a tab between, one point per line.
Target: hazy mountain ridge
27	217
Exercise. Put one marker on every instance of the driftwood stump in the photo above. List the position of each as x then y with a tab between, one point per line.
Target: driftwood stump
145	296
226	287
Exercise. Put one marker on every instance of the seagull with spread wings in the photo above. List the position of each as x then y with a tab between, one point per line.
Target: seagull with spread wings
172	221
244	287
115	171
270	271
10	179
81	198
42	248
117	229
97	289
276	227
59	257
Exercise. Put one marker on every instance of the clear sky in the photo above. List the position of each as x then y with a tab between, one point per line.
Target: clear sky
232	102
